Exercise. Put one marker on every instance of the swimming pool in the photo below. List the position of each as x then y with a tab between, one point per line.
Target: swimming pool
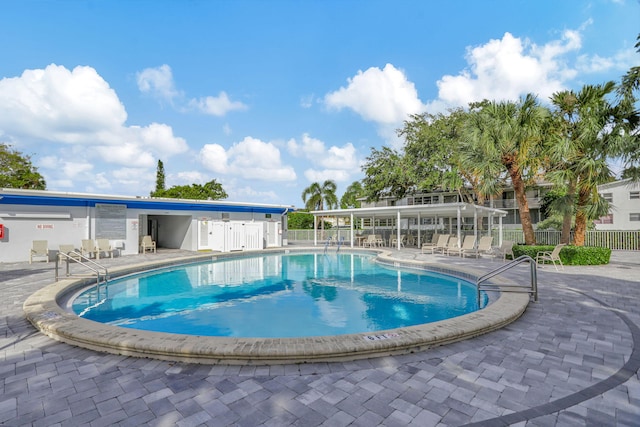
279	296
48	311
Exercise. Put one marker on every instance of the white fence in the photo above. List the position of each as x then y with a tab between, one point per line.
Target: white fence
615	240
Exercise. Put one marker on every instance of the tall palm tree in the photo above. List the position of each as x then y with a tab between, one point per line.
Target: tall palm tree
315	196
583	140
506	137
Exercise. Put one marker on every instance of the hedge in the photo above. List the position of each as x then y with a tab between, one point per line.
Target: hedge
570	255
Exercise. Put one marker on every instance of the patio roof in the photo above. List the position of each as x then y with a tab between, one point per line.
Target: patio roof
441	209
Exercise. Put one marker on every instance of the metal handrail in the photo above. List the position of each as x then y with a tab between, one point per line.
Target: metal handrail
84	261
533	289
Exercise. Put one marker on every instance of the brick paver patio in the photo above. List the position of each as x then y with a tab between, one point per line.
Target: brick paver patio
572	359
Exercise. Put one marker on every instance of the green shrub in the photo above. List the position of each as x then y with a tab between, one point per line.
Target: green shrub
570	255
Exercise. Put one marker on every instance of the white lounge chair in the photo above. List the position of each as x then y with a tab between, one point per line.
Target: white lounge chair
39	248
553	256
88	248
452	244
429	245
147	244
468	244
484	247
503	250
439	246
103	245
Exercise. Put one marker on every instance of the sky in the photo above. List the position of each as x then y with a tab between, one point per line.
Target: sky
267	97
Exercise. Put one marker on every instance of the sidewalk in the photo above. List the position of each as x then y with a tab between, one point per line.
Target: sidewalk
572	359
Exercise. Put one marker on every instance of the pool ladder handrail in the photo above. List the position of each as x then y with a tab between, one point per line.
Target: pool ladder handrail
532	289
78	258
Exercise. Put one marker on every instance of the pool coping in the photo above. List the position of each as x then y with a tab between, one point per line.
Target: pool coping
43	309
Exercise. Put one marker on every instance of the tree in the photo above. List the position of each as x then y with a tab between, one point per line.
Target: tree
507	136
627	90
159	177
315	196
17	171
350	197
386	174
585	136
212	190
301	220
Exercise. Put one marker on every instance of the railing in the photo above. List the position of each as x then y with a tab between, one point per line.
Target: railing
614	240
532	289
78	258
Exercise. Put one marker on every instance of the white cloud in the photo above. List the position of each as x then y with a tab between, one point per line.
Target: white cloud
383	96
309	147
248	193
79	119
56	104
322	175
341	158
157	82
250	158
336	163
509	68
217	106
620	61
307	101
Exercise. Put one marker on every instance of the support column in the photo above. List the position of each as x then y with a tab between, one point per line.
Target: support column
351	224
459	224
315	230
398	241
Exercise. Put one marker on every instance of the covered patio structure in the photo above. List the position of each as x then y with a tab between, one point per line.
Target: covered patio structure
433	217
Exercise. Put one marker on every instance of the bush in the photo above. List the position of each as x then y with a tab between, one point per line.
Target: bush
570	255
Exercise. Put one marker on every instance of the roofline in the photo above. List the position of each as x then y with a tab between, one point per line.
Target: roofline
43	197
388	210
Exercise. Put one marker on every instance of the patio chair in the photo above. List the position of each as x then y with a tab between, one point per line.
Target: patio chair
440	245
88	247
103	245
394	241
432	244
39	248
147	244
452	244
503	250
379	240
369	241
484	247
553	256
468	244
68	252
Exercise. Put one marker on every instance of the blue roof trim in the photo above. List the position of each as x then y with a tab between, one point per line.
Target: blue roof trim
14	199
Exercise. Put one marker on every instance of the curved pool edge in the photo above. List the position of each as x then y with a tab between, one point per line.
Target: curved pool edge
43	310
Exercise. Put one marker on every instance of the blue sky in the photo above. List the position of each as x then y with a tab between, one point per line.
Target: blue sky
267	97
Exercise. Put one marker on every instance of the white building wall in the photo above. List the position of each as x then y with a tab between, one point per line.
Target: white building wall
70	225
624	206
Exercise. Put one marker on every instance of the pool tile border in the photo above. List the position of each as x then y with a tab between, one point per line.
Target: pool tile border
44	310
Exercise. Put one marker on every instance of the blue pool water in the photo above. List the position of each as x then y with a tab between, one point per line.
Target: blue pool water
279	295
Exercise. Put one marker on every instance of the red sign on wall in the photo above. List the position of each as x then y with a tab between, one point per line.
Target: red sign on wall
1	231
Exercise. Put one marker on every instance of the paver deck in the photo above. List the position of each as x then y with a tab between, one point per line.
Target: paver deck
573	358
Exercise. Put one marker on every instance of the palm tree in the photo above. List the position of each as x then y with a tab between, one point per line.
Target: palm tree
507	137
583	139
315	196
350	197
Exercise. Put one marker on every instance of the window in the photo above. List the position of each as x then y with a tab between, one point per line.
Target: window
634	195
608	197
634	217
607	219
